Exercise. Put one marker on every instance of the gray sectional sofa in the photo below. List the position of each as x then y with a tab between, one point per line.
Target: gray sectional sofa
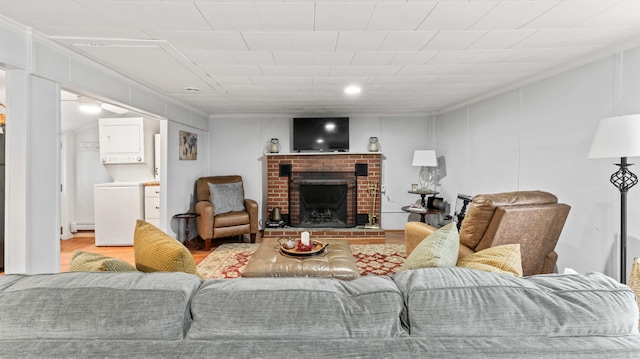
424	313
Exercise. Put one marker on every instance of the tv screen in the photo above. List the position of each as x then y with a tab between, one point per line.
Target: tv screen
321	134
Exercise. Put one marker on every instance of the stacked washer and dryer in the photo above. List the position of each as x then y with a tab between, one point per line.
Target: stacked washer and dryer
127	152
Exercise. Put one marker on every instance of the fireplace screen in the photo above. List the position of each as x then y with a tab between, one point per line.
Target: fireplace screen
323	199
323	205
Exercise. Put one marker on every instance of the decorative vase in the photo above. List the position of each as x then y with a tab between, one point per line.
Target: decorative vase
373	144
274	146
634	281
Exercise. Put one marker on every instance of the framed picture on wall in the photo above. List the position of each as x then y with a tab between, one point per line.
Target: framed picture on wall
188	145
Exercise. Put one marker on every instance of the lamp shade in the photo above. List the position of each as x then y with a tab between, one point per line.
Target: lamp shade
617	137
425	158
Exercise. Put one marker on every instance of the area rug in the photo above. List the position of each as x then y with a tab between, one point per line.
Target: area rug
229	259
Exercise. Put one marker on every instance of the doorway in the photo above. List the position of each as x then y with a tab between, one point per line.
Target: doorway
81	164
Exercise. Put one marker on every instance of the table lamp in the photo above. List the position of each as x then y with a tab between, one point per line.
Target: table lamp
425	159
619	137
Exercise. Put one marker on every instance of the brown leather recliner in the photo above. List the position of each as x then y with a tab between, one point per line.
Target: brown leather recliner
211	225
532	218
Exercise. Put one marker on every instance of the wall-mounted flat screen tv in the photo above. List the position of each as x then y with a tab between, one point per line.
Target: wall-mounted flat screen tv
321	134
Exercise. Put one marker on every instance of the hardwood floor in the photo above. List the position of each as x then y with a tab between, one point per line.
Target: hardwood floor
85	241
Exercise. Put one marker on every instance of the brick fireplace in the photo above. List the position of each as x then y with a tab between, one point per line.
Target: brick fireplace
286	173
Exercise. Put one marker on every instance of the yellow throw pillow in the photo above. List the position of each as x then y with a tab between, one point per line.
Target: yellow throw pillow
82	261
439	249
500	259
156	251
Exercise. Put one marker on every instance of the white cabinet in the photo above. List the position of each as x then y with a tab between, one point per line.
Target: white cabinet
121	140
152	204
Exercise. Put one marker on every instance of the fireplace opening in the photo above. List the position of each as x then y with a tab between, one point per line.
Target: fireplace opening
323	205
322	200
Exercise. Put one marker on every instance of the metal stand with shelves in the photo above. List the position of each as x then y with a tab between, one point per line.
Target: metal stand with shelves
423	211
423	195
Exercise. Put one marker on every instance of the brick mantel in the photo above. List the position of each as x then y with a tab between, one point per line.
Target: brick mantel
278	186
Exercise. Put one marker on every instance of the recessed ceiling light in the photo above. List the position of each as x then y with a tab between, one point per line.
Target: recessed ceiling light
352	90
192	89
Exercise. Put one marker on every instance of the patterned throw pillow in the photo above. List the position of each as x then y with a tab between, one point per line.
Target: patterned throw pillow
500	259
156	251
439	249
226	197
82	261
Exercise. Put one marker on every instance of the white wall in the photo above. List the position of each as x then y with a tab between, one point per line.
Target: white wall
179	185
400	137
237	145
32	215
88	171
538	137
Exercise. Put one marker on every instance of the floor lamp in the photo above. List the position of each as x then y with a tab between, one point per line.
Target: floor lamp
619	137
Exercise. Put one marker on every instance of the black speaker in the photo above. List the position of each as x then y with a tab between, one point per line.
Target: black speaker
362	219
285	169
362	169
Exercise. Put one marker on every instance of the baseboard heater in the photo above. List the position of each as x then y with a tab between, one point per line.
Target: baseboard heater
82	226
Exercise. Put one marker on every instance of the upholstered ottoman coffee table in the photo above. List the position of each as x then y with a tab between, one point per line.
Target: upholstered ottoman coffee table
335	261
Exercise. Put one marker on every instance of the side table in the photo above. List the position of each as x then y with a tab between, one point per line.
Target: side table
423	194
421	211
424	211
186	217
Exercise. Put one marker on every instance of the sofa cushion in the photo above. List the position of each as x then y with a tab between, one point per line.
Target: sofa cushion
505	259
468	303
96	305
296	308
82	261
156	251
226	197
439	249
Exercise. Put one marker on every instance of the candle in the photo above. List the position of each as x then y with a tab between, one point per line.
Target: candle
304	238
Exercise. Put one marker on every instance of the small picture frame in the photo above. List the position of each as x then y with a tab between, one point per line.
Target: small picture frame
414	186
188	146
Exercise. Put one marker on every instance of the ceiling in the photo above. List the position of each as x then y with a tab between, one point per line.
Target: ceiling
296	57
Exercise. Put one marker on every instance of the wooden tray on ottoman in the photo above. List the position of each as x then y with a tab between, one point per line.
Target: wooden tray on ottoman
336	261
318	248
